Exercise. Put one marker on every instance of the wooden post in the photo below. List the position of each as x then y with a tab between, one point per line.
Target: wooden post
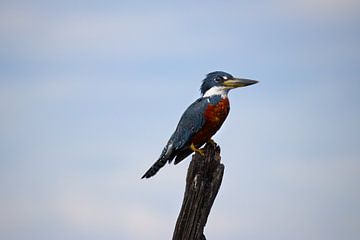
203	181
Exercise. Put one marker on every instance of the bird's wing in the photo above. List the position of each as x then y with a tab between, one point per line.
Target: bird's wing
190	123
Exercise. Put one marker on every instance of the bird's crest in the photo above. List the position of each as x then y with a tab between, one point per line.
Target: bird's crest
213	79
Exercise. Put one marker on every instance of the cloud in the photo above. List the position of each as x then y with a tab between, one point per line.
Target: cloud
135	33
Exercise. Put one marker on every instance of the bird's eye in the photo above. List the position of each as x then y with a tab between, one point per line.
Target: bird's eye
219	79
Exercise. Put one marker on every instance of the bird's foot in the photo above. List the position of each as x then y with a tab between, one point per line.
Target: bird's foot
197	150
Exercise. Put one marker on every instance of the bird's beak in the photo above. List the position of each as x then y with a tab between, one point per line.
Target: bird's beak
238	82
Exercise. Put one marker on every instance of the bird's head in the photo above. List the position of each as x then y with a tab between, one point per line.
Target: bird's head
219	83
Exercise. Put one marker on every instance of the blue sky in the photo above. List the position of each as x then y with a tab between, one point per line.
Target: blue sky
90	91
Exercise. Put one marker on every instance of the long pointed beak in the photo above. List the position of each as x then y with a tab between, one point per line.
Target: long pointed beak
239	82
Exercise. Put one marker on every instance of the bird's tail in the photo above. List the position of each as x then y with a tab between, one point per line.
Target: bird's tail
165	156
155	168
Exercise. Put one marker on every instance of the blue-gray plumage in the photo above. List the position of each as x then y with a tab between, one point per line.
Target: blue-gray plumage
201	120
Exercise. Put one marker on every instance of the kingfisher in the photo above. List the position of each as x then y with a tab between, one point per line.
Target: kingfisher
201	120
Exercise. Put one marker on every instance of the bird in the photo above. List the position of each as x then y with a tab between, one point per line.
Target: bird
201	120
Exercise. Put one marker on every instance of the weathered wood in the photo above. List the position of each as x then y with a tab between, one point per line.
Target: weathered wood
203	181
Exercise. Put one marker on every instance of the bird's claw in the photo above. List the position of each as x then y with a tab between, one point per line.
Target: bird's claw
197	150
201	152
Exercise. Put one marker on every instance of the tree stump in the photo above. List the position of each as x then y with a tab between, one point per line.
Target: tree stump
203	181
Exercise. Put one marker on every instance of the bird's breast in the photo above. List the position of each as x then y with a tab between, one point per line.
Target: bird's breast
214	116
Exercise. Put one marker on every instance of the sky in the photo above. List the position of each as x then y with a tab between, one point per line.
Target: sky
90	92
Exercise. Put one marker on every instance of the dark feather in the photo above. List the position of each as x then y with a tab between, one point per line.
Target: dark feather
182	154
190	123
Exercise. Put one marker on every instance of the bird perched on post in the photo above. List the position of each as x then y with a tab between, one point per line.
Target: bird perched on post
201	120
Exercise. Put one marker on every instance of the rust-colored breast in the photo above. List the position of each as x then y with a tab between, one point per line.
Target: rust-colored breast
215	116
